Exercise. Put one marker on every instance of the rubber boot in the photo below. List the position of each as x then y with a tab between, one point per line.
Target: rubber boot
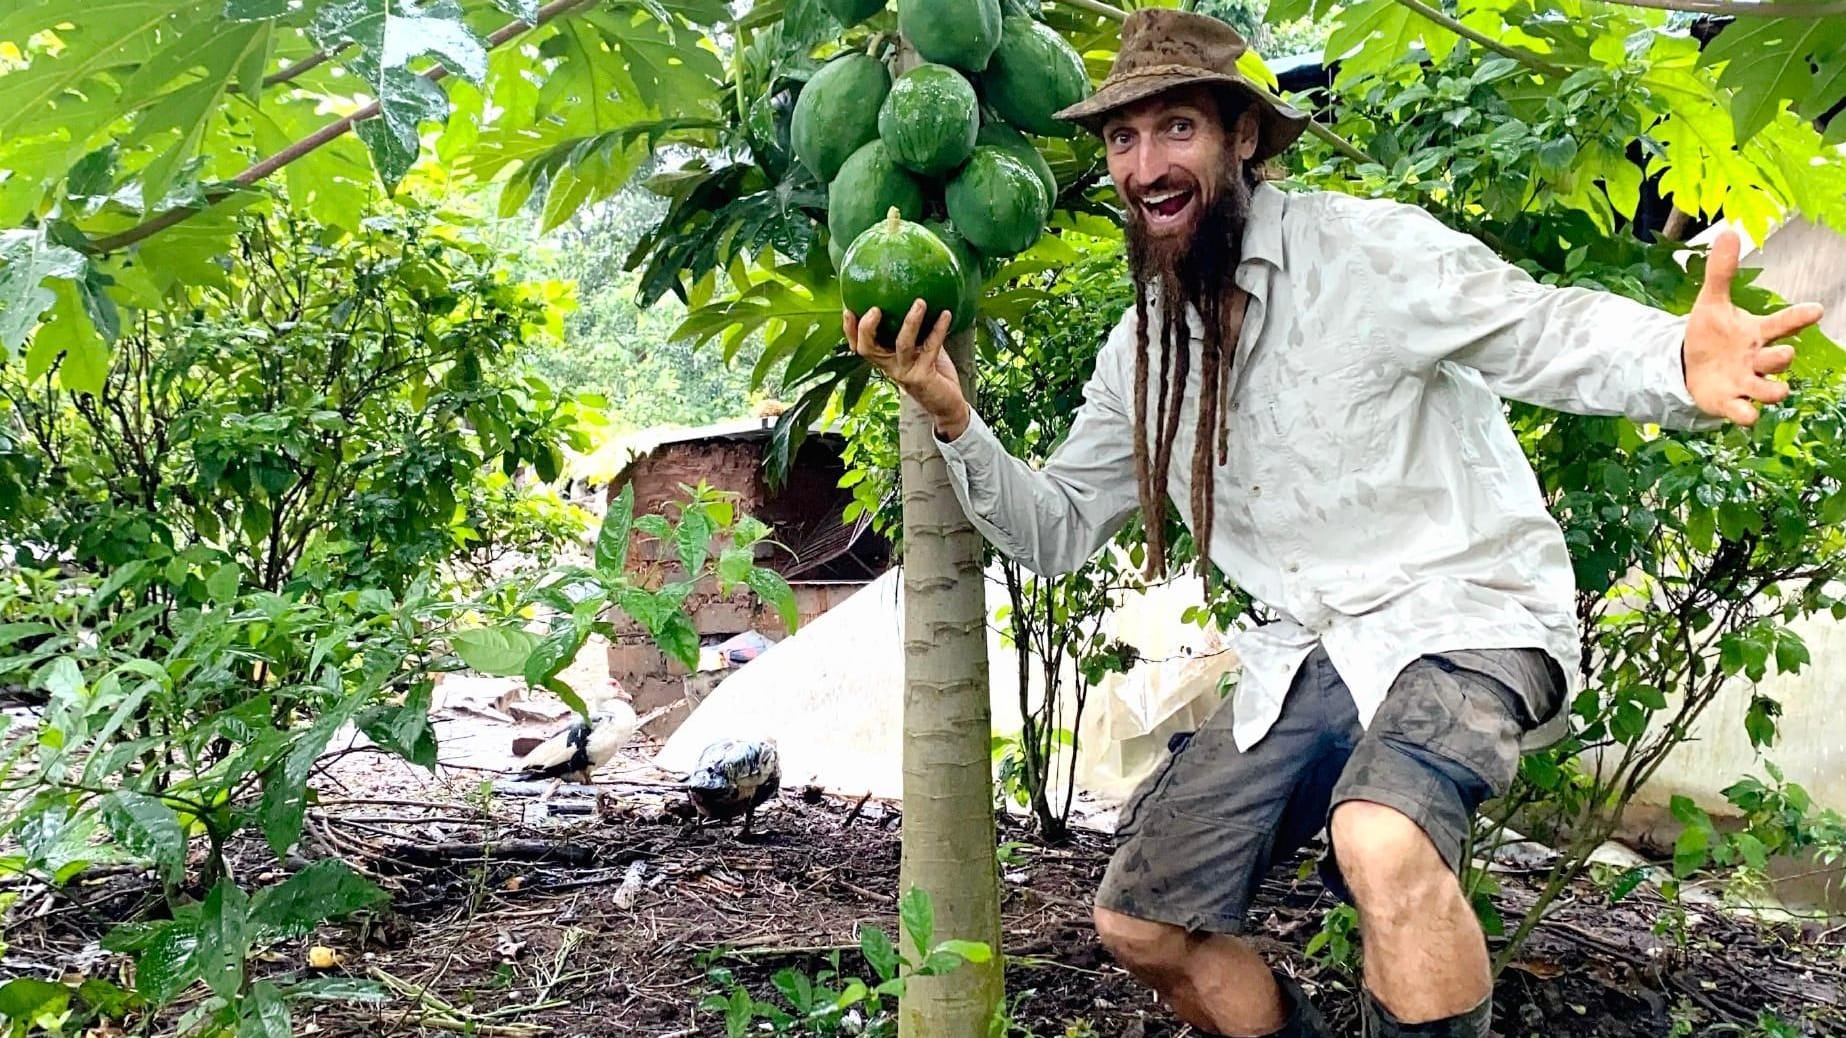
1304	1021
1475	1023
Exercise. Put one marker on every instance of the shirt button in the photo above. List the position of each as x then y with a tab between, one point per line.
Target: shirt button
1294	567
1256	491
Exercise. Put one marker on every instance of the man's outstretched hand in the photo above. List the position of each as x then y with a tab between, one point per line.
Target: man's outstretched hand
1729	353
919	365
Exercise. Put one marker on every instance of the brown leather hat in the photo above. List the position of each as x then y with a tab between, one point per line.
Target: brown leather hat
1163	50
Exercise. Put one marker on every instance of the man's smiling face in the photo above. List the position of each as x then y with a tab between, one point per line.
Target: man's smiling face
1170	156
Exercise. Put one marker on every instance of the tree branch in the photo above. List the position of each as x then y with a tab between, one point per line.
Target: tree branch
332	131
1745	10
1519	54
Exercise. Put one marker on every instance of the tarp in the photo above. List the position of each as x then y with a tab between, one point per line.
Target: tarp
832	694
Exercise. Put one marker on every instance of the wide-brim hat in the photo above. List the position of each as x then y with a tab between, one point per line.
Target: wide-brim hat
1164	49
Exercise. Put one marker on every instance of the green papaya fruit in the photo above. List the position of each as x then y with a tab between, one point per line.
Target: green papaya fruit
930	120
1033	74
894	263
1017	144
869	185
962	33
851	12
997	203
837	113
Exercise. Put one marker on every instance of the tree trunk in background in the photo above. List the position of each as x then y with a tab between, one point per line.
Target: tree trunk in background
948	729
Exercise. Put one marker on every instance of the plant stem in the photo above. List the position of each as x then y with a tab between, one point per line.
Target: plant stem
332	131
1745	10
1466	32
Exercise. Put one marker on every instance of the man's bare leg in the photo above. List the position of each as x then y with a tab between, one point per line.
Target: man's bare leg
1425	955
1216	983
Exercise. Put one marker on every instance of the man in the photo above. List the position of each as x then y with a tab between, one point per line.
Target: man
1319	378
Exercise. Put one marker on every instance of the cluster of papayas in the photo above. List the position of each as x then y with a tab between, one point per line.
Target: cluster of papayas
932	179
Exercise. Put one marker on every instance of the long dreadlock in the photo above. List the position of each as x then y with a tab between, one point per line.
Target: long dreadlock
1199	279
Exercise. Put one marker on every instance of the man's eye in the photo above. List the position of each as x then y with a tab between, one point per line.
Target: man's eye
1182	126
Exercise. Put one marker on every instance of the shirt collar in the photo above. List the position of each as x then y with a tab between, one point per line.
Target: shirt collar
1262	236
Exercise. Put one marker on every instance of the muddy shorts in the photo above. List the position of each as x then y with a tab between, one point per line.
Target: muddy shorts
1196	838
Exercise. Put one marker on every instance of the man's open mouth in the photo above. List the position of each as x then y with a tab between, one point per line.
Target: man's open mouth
1164	208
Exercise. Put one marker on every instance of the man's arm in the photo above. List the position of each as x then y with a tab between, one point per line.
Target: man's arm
1050	519
1570	349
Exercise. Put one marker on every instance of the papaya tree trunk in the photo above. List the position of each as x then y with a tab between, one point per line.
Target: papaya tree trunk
949	837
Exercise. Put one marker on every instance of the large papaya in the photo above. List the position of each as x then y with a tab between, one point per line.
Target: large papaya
894	263
1033	74
962	33
930	119
837	113
869	185
972	275
997	203
1014	143
852	12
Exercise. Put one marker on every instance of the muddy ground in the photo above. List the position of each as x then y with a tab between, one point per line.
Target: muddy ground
493	945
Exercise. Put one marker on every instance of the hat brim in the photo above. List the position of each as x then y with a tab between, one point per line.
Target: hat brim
1281	124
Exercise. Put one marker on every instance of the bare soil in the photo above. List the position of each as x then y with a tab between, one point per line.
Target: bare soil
526	948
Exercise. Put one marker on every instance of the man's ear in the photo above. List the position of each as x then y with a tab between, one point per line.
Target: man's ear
1249	128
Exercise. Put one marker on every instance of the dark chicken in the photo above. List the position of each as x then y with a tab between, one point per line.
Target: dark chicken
735	777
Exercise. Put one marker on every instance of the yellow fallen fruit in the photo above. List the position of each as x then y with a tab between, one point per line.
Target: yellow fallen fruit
323	958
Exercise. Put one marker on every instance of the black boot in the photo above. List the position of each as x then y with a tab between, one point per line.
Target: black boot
1475	1023
1304	1021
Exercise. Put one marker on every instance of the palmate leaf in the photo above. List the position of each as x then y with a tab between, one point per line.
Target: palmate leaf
27	260
101	38
391	35
697	237
1768	61
671	74
1375	35
800	325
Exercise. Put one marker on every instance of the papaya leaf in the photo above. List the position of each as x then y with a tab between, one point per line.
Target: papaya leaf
27	259
1772	60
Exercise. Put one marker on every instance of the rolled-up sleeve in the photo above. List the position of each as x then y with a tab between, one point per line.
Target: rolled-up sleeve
1567	348
1052	519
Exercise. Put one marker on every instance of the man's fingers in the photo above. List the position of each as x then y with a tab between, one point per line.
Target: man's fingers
1774	360
1768	391
868	331
909	342
1721	268
1740	411
1789	320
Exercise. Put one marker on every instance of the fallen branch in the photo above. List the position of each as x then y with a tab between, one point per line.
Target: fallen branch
428	854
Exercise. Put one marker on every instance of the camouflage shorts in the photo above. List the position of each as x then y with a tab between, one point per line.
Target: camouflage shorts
1197	837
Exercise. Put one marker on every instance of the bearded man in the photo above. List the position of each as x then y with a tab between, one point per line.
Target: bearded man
1319	378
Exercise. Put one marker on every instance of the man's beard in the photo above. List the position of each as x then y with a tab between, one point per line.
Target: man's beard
1188	267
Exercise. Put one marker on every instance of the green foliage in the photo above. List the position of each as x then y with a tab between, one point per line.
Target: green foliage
712	541
831	1002
323	410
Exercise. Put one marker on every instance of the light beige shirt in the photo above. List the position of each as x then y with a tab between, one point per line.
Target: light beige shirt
1375	497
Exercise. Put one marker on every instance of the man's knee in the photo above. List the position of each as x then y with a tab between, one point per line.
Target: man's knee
1143	947
1388	862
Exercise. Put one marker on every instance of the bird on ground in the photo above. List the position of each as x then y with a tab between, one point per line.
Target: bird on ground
735	777
575	753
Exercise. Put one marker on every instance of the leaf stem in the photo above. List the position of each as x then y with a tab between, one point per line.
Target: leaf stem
1473	35
1744	10
332	131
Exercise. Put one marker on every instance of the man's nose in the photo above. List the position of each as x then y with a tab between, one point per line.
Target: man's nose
1150	163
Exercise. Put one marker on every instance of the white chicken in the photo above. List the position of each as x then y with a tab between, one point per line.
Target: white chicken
574	754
